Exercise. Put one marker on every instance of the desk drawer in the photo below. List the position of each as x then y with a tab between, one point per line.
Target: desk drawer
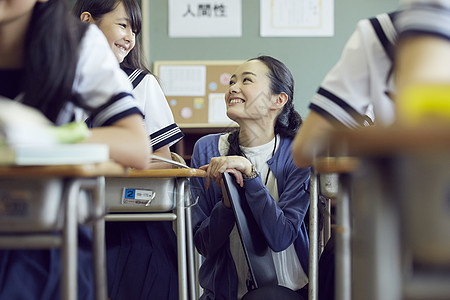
30	205
140	194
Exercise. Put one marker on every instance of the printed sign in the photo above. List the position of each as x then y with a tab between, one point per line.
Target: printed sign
137	196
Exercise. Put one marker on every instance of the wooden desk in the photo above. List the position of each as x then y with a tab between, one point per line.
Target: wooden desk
378	142
161	182
178	172
84	171
400	215
37	187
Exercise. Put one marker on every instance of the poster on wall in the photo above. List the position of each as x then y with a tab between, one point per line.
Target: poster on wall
183	80
290	18
205	18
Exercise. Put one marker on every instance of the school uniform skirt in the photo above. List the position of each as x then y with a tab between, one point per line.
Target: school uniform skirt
141	260
36	274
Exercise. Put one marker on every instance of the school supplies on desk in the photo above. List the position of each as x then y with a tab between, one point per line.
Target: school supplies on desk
23	125
59	154
28	138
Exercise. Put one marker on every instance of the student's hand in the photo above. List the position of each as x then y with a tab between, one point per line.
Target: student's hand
236	165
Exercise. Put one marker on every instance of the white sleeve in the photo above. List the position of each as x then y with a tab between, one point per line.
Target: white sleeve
153	103
158	116
425	17
100	82
344	95
426	2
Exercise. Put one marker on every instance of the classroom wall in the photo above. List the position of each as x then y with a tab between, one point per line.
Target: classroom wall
309	59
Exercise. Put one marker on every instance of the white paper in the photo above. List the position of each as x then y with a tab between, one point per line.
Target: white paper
205	18
180	80
297	18
217	109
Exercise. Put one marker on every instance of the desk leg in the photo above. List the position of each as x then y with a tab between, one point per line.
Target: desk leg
313	238
98	235
181	237
343	277
190	247
70	242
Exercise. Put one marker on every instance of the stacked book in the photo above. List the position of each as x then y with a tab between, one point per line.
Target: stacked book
28	138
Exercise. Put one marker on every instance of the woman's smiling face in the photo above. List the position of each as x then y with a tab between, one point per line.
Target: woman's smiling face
249	95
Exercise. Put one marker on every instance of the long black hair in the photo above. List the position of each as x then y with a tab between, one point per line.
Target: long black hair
281	81
98	8
51	55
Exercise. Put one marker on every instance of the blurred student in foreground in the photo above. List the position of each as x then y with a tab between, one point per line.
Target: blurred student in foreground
52	62
357	92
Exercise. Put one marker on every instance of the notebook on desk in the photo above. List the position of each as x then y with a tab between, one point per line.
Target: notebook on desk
57	154
28	138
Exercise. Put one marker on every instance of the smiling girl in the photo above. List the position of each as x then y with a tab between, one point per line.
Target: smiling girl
260	100
121	21
141	256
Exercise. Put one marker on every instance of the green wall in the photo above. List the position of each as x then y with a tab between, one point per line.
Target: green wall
309	59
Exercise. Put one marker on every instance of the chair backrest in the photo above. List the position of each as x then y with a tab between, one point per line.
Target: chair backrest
256	249
178	158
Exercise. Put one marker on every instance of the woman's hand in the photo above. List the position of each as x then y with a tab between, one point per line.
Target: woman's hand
236	165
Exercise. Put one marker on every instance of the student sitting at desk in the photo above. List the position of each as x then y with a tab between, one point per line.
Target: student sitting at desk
141	256
52	62
260	100
124	42
357	91
360	89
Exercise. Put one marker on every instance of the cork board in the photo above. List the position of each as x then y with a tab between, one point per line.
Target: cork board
195	90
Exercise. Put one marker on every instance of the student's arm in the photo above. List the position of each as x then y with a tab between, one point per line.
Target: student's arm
307	142
104	88
212	221
423	59
127	140
162	152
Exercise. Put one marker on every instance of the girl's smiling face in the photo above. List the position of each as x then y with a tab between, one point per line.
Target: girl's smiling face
249	95
117	29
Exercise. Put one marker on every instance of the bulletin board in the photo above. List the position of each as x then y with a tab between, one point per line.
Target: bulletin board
195	90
